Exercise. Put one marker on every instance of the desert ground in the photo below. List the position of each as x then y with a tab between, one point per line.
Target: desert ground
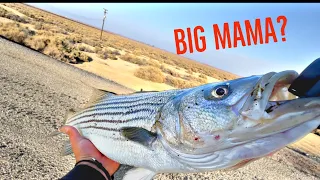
36	92
40	82
128	62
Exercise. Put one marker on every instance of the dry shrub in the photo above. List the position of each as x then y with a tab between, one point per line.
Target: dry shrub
79	57
189	71
75	38
38	25
134	60
50	28
3	12
44	33
57	30
6	14
38	43
169	71
113	46
17	36
15	32
153	63
140	61
97	49
202	76
108	54
54	52
64	50
137	52
85	48
116	53
103	54
175	82
64	45
195	79
150	73
179	83
91	42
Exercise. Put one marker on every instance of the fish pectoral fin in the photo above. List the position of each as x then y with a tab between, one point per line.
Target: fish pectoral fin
139	174
67	149
139	135
98	95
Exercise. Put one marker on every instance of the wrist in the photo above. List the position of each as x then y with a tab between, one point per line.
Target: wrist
94	166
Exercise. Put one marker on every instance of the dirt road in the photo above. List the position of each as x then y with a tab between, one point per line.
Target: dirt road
36	91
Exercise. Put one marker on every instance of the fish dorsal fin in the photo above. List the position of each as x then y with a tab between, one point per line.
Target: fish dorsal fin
139	135
139	174
145	91
98	95
69	113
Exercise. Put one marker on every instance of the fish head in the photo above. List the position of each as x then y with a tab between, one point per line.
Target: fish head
241	119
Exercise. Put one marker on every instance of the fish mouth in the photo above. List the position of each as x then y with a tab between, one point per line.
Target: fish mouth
269	92
271	109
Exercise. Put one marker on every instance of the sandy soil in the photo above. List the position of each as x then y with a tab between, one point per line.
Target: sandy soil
121	72
309	144
36	91
5	20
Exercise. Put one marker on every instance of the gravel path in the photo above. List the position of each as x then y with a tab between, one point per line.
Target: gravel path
36	91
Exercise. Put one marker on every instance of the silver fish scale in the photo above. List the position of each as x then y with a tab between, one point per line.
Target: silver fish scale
110	103
114	112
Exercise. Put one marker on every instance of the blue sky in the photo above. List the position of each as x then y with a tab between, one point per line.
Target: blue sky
154	24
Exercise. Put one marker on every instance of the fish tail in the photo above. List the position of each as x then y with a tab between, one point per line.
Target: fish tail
67	149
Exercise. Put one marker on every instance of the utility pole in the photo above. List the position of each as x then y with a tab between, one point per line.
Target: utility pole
104	17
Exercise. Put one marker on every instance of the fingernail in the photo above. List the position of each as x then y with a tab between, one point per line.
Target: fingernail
62	129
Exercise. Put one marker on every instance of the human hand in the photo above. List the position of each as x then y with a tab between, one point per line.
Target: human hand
84	149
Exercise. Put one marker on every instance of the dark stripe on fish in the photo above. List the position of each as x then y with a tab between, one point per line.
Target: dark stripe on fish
99	108
111	114
101	128
131	99
107	121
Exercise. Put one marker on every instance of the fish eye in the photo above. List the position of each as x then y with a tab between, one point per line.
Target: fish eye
220	91
217	92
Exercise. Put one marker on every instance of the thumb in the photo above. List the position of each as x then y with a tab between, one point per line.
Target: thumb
72	132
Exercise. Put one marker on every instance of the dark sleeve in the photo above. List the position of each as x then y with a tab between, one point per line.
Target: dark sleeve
307	84
83	172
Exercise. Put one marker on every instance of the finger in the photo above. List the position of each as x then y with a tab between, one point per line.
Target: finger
72	132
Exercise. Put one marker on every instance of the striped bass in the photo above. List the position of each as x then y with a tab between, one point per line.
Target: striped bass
215	126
